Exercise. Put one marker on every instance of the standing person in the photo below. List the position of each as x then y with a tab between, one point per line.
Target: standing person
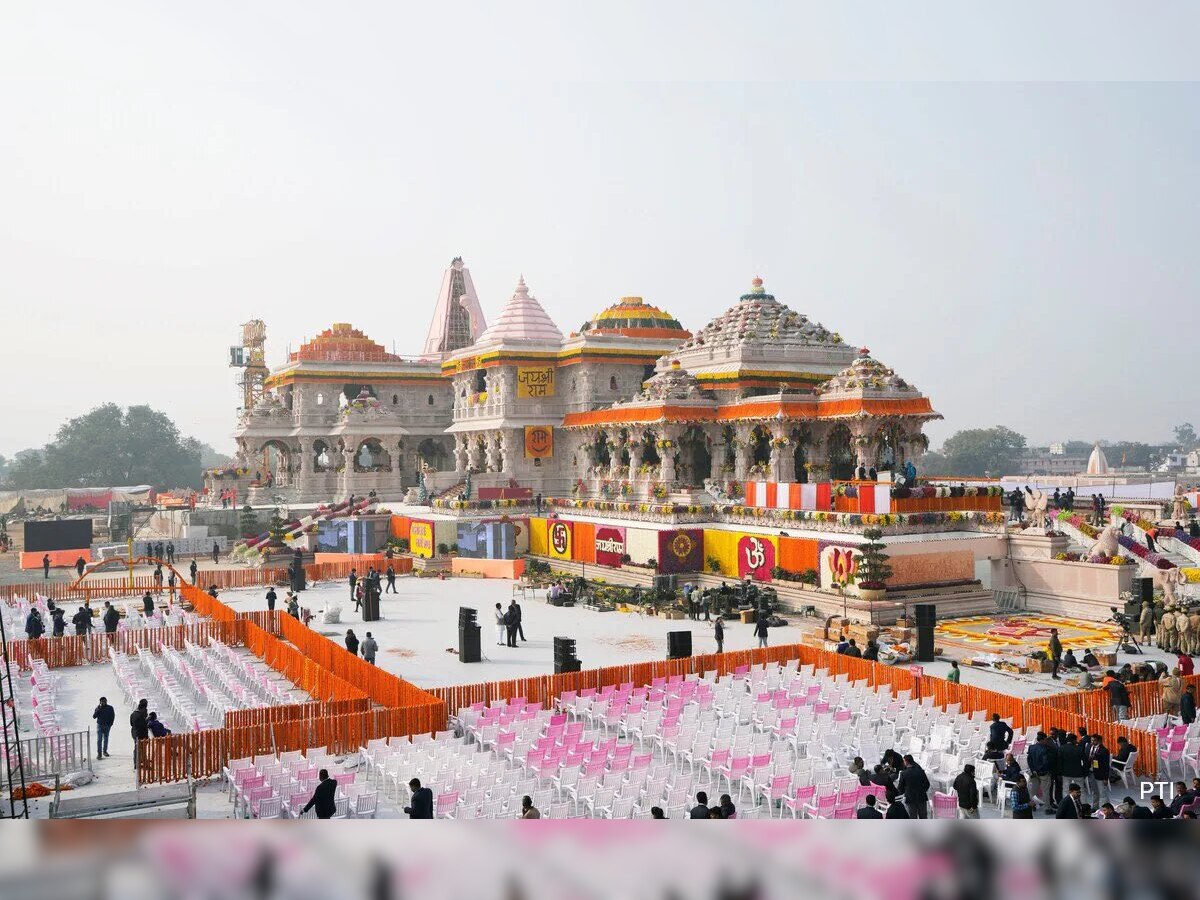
171	583
80	565
58	620
293	606
420	805
761	629
46	567
967	791
353	579
1000	732
110	618
954	676
914	786
1022	802
351	642
82	620
34	626
538	502
687	600
1187	705
500	629
139	726
510	626
1040	759
105	716
1146	623
1056	651
369	649
271	598
216	553
391	580
1118	696
171	552
517	609
324	798
158	577
148	604
1071	806
1172	689
192	569
719	633
1099	767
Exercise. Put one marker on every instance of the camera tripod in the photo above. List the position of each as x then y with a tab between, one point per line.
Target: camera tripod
1127	638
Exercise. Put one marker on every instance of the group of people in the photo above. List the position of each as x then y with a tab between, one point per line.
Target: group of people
848	646
82	620
371	585
1171	627
143	723
508	624
368	645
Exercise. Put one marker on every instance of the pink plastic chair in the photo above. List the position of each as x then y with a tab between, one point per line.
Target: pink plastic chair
798	801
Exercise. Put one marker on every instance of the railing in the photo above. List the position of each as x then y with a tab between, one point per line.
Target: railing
57	754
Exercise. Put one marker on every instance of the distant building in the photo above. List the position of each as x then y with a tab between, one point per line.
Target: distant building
1048	461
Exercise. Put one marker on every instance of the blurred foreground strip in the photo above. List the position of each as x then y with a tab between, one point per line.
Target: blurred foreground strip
546	860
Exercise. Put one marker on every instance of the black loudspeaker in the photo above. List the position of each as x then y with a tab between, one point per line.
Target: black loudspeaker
679	644
1133	608
370	607
564	656
468	636
926	616
1144	590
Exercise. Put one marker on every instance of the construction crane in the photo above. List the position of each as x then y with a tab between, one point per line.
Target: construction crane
251	357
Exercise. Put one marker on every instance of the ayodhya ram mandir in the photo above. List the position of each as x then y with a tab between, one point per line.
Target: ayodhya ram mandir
761	444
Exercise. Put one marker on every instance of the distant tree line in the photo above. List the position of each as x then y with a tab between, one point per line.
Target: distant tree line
111	446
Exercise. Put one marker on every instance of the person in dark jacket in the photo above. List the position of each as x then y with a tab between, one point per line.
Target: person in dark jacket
1072	759
80	565
139	728
520	631
105	716
324	798
111	618
760	629
46	567
391	582
192	569
967	790
148	604
155	727
1055	650
1099	766
271	598
1000	732
1187	705
913	785
82	620
1071	806
853	650
869	811
1159	810
510	626
1022	802
897	811
58	619
1182	798
216	553
1118	697
1041	758
700	810
881	778
872	651
353	580
421	804
719	633
351	642
34	626
1131	810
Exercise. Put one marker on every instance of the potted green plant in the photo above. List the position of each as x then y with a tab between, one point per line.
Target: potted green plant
873	569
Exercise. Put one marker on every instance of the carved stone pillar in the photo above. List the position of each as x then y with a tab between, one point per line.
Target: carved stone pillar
460	454
717	455
783	458
492	451
504	444
741	461
635	457
668	454
864	445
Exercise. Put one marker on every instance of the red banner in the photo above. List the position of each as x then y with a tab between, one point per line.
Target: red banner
756	558
610	546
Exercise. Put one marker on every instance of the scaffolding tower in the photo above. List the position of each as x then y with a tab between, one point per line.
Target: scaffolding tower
251	358
14	759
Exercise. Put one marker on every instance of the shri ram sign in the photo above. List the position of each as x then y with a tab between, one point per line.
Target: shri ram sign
420	539
610	546
535	383
539	441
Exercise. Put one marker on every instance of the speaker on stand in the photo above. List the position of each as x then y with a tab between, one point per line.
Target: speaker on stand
679	644
468	636
926	617
565	659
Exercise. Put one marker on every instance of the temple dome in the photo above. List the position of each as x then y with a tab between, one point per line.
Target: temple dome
671	383
1097	462
634	317
342	343
866	374
522	320
759	319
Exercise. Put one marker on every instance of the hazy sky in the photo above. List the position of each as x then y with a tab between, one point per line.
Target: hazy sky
1023	250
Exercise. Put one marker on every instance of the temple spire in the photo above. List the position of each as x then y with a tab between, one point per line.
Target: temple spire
457	316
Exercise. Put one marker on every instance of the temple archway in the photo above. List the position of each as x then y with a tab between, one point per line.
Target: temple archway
600	452
760	446
371	456
888	448
276	462
801	440
433	453
695	459
841	453
322	456
650	455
